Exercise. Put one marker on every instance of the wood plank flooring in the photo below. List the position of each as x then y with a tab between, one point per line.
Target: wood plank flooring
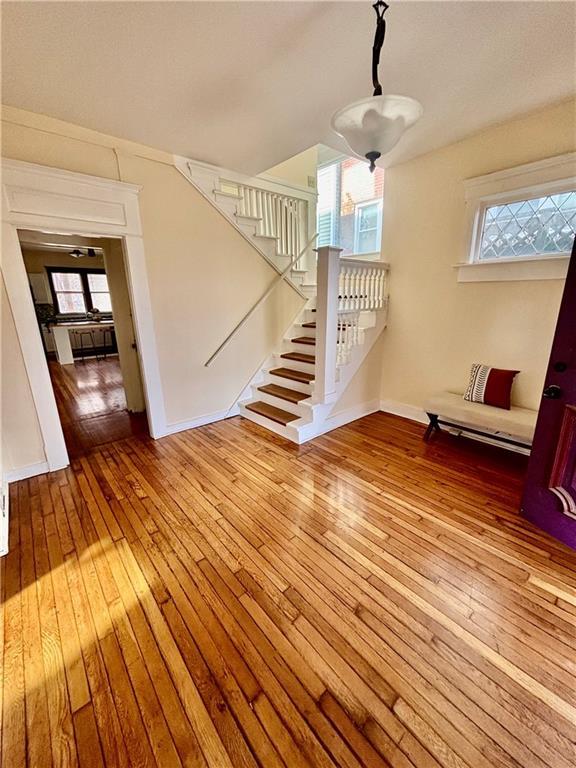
224	598
92	404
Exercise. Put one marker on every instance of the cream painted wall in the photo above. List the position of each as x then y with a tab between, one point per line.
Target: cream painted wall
36	261
203	274
22	443
297	169
438	327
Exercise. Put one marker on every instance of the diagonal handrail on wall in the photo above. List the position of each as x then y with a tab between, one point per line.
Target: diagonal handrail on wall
277	279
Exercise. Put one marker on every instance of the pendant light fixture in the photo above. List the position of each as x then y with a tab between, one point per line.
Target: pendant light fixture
372	127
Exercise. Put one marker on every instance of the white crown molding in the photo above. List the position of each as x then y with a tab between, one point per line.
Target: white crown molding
554	169
58	174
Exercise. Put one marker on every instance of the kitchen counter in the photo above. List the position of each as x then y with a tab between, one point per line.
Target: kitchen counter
61	332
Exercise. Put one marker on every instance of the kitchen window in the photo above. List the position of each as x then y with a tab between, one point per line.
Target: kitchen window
77	291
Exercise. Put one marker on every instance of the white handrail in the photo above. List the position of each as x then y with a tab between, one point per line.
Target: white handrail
264	296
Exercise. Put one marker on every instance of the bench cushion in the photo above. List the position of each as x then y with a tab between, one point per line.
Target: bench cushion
517	422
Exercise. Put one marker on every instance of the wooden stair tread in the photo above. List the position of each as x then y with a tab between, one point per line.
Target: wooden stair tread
309	325
289	373
272	413
299	357
284	393
305	340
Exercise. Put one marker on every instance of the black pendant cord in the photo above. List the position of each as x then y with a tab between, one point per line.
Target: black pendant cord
380	7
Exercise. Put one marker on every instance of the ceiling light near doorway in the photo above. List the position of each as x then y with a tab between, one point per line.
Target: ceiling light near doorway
372	127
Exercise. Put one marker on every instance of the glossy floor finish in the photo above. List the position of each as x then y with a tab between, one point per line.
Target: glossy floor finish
92	404
222	597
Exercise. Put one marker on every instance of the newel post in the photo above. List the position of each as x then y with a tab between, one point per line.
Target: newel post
328	274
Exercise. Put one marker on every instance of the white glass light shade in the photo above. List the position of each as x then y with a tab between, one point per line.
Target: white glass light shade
375	125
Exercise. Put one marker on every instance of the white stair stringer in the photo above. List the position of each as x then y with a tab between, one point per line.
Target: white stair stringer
314	417
208	181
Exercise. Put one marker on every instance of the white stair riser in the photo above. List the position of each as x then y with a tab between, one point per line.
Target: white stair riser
289	383
247	226
295	365
268	246
296	346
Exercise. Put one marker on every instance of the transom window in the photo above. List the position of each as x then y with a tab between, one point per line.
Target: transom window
77	291
541	226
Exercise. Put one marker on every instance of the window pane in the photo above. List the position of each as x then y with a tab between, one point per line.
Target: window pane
71	302
67	281
97	283
101	301
368	218
368	241
537	227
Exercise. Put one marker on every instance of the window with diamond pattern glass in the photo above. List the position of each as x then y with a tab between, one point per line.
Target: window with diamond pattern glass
544	226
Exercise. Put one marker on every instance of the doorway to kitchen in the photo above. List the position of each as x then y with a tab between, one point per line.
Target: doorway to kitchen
82	304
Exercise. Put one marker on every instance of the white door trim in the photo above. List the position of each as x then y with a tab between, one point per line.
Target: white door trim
63	202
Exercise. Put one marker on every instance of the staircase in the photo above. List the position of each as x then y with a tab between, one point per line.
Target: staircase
297	391
298	388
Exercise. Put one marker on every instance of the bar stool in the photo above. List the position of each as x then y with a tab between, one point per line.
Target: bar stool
107	335
80	336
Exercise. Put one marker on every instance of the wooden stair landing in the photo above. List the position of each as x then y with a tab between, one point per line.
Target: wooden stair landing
284	393
289	373
272	413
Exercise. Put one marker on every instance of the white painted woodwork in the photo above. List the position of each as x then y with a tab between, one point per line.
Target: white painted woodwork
63	202
275	217
549	176
351	311
328	277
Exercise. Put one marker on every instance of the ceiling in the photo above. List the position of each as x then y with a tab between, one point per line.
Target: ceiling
246	85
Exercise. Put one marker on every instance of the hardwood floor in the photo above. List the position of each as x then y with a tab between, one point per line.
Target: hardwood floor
92	404
222	597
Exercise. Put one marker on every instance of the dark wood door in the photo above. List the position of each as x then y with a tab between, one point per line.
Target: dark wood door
549	498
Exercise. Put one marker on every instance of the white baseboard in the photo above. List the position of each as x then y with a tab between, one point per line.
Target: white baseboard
345	417
411	412
21	473
201	421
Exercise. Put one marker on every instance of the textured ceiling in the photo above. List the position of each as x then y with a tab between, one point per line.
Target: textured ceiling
247	85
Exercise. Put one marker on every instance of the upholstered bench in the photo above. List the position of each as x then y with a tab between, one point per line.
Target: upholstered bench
515	426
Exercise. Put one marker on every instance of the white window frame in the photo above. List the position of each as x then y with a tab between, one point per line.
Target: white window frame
357	209
545	177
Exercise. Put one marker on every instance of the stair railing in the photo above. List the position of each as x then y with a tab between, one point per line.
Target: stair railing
281	216
262	298
345	288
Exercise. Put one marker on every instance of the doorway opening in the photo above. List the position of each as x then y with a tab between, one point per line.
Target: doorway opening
82	303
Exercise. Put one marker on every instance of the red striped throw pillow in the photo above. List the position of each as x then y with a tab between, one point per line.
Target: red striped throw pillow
491	386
